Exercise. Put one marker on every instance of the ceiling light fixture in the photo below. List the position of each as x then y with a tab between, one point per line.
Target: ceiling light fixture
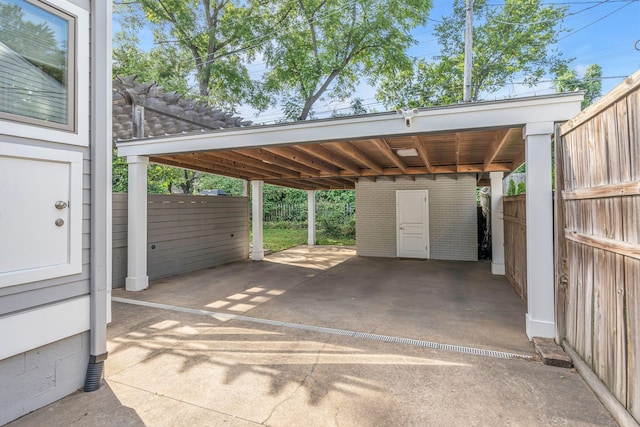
407	152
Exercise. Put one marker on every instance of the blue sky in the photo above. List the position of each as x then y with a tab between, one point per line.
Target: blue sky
602	32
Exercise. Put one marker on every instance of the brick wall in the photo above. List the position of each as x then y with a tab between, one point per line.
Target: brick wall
452	216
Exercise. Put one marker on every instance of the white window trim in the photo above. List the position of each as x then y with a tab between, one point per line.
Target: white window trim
74	264
80	136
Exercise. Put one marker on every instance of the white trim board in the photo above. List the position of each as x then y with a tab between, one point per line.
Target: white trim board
44	325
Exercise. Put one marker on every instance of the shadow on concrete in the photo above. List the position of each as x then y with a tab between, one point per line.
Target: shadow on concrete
102	407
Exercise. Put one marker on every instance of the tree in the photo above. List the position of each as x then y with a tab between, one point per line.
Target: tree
329	45
567	81
509	40
164	65
213	39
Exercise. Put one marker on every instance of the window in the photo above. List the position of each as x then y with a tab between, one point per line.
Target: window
37	64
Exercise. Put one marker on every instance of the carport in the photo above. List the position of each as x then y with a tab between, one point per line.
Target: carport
439	149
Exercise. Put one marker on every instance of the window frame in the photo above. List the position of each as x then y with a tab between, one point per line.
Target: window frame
76	131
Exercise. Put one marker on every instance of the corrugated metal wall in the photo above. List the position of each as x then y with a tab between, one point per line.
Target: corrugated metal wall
185	233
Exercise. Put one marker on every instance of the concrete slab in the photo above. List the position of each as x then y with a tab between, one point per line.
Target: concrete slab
170	368
241	373
451	302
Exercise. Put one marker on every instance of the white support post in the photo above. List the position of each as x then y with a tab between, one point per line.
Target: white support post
539	212
257	253
311	217
137	278
497	224
245	188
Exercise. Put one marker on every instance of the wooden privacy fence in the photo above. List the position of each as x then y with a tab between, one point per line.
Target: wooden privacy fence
597	239
515	243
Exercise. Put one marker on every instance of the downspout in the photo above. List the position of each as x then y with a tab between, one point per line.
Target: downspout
101	149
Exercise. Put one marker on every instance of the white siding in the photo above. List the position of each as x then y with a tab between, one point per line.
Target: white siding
452	216
185	233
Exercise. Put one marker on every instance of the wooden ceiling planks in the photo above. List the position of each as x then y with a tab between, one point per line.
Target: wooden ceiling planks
339	164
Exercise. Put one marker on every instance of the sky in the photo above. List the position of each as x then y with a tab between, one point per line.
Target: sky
598	31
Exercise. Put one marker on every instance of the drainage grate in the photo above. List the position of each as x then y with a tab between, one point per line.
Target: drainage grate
333	331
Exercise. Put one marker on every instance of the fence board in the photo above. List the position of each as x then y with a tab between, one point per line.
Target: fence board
185	233
598	213
515	243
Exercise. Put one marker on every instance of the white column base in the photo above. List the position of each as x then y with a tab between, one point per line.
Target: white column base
257	251
311	217
497	269
257	255
540	328
136	284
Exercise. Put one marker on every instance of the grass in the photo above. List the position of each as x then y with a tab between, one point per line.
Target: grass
278	239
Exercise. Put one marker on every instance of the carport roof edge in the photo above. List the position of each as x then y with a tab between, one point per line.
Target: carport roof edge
455	118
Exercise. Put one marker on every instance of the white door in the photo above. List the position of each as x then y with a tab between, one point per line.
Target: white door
412	220
40	214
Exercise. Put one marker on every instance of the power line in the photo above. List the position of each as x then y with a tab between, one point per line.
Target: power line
594	22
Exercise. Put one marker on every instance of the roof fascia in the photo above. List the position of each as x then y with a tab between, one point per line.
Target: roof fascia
506	113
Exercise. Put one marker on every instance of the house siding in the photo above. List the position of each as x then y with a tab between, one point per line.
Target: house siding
185	233
42	375
452	216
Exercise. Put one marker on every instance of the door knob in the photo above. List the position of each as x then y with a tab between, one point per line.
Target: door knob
59	222
61	205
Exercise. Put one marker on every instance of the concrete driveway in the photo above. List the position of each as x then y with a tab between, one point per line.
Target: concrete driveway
317	336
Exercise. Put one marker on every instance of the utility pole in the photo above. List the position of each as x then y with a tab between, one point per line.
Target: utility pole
468	51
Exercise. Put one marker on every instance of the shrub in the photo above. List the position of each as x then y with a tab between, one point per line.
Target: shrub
511	190
522	188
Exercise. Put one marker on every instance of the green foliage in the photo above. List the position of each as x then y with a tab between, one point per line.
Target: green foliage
119	175
511	189
206	41
567	81
510	39
329	45
514	190
280	238
357	109
206	181
166	180
336	223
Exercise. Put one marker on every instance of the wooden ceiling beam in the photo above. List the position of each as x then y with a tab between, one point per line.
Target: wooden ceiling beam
241	159
231	164
207	168
501	137
266	156
292	153
389	154
339	184
329	156
297	184
422	151
354	152
518	159
440	169
395	171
